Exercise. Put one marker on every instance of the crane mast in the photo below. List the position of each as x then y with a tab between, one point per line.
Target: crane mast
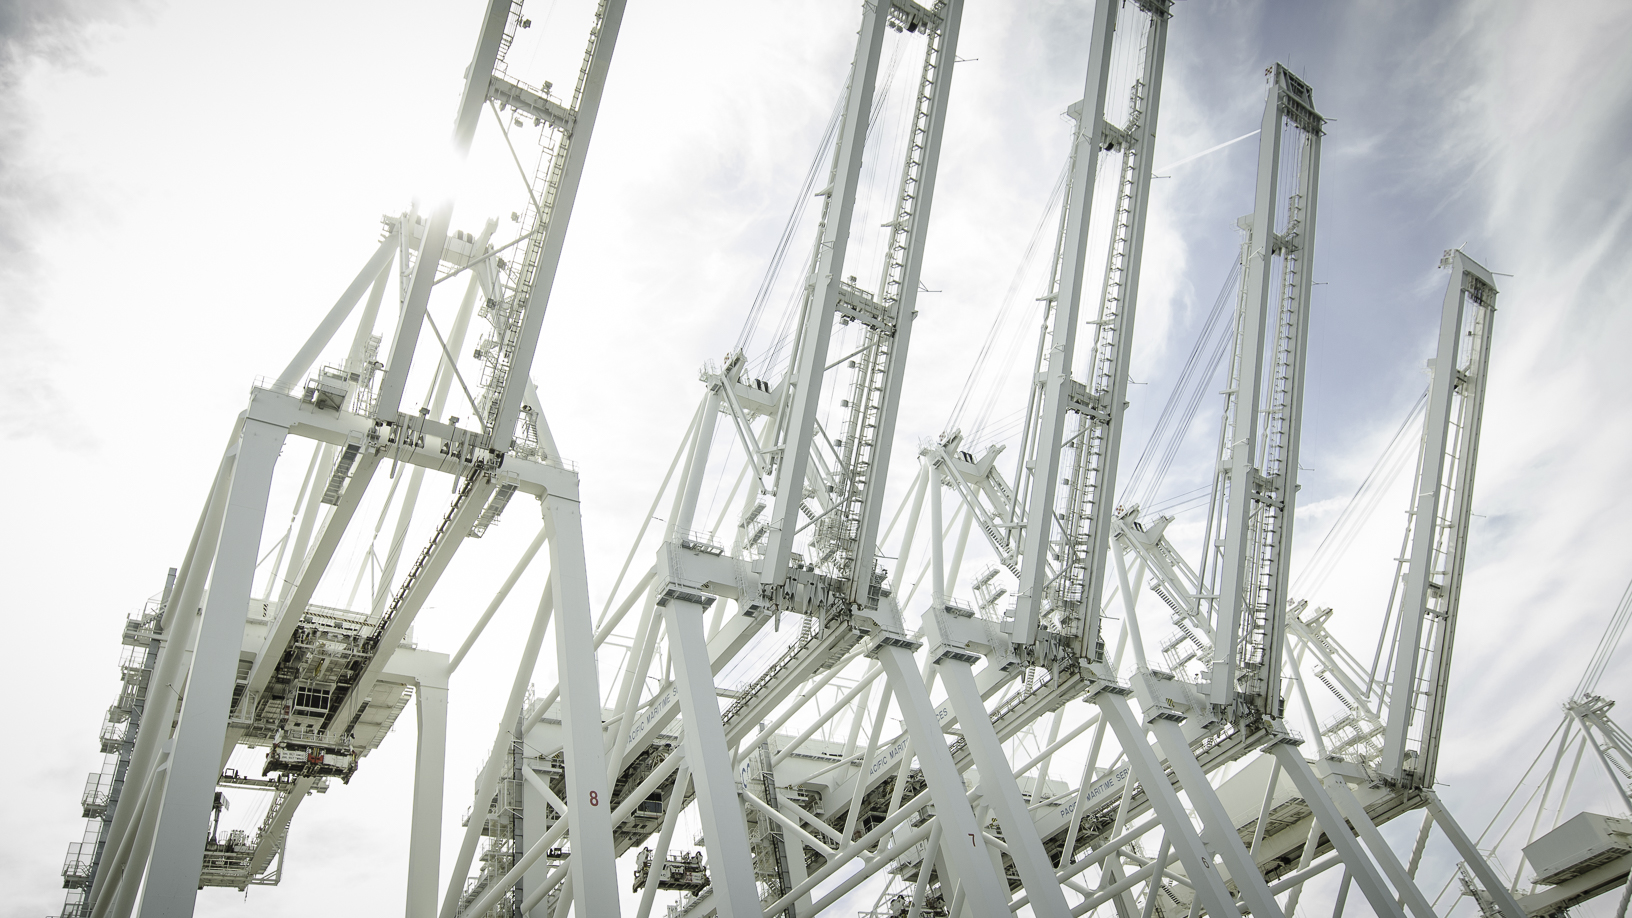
844	541
1077	425
831	487
1257	473
850	532
1201	797
319	687
1430	578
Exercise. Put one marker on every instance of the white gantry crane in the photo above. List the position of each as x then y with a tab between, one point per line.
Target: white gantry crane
1230	699
1569	861
317	688
781	692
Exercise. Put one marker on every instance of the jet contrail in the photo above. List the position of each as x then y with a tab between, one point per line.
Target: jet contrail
1197	156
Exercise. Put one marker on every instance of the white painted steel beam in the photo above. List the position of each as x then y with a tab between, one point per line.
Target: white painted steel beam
1045	482
1002	792
593	864
171	882
487	783
660	854
910	231
428	672
1473	857
821	304
302	362
163	695
418	294
1440	516
1355	813
1329	819
588	105
311	568
961	839
1152	776
1218	829
730	862
1243	412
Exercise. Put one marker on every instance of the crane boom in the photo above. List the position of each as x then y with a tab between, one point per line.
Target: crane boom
1078	424
1257	478
1430	574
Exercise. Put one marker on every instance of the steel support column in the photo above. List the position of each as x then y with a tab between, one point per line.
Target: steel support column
1187	844
1441	508
1355	813
1474	858
724	834
418	295
487	784
822	304
1045	481
1002	791
1243	448
660	854
1328	818
1217	826
961	834
555	235
142	777
430	763
593	864
324	333
171	883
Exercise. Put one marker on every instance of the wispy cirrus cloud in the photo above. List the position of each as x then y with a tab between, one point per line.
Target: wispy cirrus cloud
36	36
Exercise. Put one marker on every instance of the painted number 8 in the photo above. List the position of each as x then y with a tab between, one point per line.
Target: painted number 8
594	799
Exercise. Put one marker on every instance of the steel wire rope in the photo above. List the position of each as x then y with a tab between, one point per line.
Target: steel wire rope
1049	288
1361	505
1170	454
978	426
1002	428
1179	503
1606	645
876	188
1175	421
779	254
824	153
1001	318
873	189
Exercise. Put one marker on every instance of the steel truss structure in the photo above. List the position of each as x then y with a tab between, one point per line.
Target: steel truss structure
882	739
1570	861
318	688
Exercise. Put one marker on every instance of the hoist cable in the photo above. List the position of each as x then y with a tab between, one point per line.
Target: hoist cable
1004	308
824	153
1606	645
1182	403
1378	481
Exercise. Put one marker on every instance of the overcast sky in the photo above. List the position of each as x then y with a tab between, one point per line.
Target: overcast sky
185	187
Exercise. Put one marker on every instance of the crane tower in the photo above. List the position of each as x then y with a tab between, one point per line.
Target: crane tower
802	681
